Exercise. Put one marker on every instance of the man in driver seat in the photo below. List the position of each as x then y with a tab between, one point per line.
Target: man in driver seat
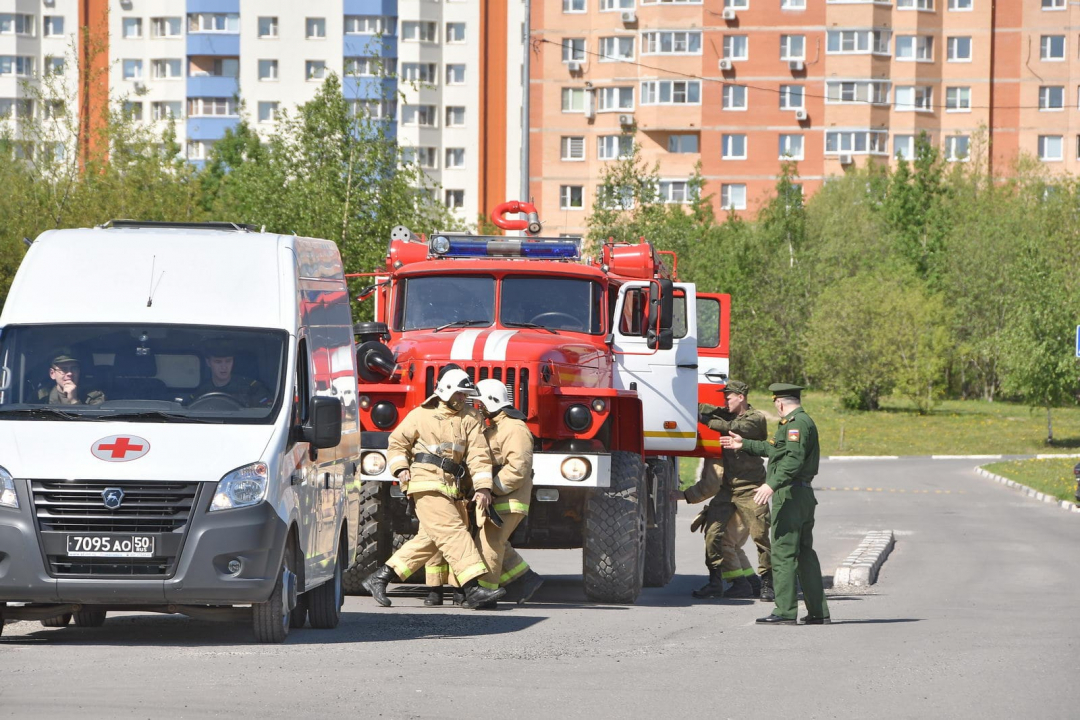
219	357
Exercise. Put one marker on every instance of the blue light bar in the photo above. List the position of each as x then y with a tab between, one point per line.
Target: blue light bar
461	247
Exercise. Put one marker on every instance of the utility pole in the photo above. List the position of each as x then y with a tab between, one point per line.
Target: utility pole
525	104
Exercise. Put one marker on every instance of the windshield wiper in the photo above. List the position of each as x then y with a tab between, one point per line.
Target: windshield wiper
462	323
51	413
161	416
530	325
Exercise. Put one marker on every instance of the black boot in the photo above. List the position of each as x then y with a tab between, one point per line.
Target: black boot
755	584
522	589
376	583
459	596
475	596
740	588
434	598
767	592
712	589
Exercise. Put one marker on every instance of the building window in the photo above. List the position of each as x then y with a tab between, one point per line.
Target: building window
419	31
573	6
671	92
573	49
615	99
792	4
455	74
268	70
268	27
673	191
165	27
791	147
571	197
16	24
418	115
615	147
54	66
735	4
606	5
369	66
914	98
214	23
421	156
419	72
572	148
914	4
1052	97
956	148
682	143
674	42
734	97
455	116
368	25
168	69
861	142
132	27
455	199
53	26
915	47
211	107
315	28
614	49
132	69
857	42
455	158
792	47
1051	147
455	32
268	112
959	4
733	196
904	147
959	49
734	147
133	110
199	149
573	100
736	47
875	92
1053	4
791	97
165	110
1052	47
315	69
958	99
374	109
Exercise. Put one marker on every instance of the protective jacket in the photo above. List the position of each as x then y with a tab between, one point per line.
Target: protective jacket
739	468
436	429
512	447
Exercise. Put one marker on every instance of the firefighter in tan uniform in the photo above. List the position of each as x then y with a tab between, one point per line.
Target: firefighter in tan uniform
430	453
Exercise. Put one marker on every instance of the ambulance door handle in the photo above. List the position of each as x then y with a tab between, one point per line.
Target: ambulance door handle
326	481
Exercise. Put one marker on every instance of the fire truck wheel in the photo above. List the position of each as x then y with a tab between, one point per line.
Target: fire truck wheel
377	541
613	558
58	621
660	540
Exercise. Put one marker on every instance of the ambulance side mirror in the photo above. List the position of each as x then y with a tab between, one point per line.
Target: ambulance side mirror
659	335
323	426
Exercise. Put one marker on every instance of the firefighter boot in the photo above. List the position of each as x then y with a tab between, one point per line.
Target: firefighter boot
434	598
740	588
767	592
376	583
755	583
475	596
459	596
522	589
714	588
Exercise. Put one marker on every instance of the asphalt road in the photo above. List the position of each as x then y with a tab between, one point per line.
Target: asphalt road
973	616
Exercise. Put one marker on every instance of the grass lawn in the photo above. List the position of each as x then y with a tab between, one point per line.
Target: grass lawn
1054	477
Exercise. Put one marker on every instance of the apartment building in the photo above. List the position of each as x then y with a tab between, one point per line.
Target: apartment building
741	86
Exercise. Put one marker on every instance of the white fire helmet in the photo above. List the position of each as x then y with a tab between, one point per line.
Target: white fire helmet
455	381
493	394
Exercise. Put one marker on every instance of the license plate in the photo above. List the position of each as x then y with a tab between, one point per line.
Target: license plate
110	546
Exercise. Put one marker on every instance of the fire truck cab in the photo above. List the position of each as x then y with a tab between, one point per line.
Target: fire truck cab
606	357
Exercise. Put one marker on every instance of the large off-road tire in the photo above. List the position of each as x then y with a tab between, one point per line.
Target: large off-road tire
324	602
377	541
271	620
613	556
58	621
89	618
660	540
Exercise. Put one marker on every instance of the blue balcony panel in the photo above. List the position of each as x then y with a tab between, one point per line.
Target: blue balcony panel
209	128
213	6
370	46
368	7
356	88
221	44
211	86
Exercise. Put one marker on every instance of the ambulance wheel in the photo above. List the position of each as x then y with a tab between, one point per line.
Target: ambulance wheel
613	556
271	620
58	621
660	540
298	615
89	618
377	541
324	602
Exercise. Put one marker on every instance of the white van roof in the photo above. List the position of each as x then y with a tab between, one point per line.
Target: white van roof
196	276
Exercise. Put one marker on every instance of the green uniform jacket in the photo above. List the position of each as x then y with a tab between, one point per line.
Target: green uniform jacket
740	468
793	452
250	393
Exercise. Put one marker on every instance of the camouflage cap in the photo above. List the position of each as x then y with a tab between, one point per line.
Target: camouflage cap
64	355
785	390
736	386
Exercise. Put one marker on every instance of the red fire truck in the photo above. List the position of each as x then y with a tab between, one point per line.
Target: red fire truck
607	357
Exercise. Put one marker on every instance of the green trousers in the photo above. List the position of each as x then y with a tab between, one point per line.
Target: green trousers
793	553
756	519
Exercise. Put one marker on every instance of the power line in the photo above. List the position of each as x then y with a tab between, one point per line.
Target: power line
777	91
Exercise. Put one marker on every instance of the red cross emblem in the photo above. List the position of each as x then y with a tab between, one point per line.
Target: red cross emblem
120	448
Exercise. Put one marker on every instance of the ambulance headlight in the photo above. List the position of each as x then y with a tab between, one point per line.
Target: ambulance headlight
242	487
8	498
576	469
372	463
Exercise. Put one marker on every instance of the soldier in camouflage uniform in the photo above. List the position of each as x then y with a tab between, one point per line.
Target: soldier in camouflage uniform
65	371
247	392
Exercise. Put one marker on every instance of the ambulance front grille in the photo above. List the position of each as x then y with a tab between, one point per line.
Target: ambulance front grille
515	379
78	506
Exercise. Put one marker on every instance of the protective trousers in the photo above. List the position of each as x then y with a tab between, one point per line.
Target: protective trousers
793	553
504	563
735	536
756	518
444	529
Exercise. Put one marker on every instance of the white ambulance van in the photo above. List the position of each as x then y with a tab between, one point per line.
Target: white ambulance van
178	427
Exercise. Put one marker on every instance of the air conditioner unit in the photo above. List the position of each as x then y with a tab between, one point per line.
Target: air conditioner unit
626	120
629	17
801	114
846	159
728	14
796	65
725	64
574	66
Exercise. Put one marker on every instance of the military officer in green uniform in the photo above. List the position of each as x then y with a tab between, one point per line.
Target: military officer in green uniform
219	359
793	455
731	482
65	372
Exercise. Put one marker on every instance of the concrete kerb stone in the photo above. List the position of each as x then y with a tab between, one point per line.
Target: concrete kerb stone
1030	492
860	568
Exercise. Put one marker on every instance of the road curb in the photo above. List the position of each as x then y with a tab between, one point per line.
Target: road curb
965	457
863	457
1030	492
860	569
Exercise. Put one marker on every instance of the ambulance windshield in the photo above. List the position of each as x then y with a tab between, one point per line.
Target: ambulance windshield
141	373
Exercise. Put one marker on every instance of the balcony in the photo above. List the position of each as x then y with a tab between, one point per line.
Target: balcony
213	44
213	6
209	128
212	86
369	46
369	7
368	88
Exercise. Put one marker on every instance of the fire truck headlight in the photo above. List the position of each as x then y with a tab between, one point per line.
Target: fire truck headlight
598	405
578	418
440	245
384	414
576	469
8	498
372	463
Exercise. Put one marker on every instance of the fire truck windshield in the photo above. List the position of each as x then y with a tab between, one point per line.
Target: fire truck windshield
552	303
436	301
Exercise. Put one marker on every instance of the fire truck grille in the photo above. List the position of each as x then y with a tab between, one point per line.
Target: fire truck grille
515	379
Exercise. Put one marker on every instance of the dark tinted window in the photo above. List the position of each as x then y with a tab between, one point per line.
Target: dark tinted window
437	300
